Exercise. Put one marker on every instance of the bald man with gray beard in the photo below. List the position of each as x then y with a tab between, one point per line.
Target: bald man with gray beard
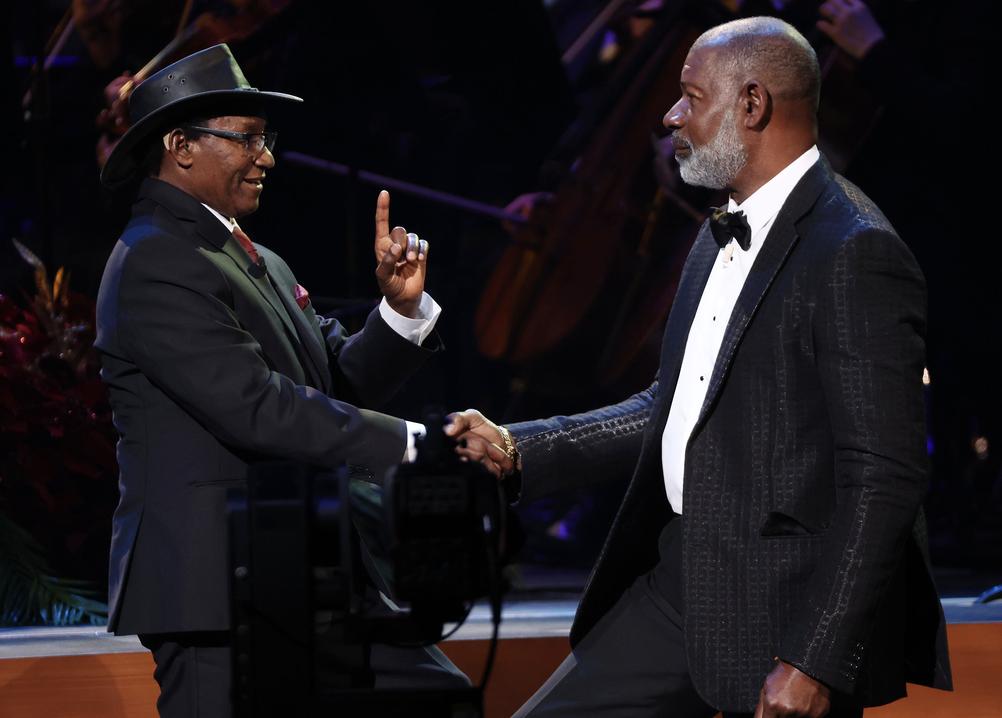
769	557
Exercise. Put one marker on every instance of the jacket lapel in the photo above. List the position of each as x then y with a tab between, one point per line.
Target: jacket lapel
300	335
236	253
776	247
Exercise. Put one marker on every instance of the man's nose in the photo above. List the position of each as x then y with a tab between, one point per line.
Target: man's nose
675	117
265	159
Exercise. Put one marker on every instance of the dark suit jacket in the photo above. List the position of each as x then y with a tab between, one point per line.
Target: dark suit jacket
210	368
804	474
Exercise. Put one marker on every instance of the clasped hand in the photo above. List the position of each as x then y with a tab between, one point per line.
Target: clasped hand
479	440
401	260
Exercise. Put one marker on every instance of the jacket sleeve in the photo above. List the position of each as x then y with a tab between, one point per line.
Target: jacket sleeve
373	365
177	325
870	348
569	452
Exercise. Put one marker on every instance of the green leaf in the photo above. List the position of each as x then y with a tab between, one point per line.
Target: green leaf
30	596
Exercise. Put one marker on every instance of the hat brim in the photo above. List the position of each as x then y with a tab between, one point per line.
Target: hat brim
123	163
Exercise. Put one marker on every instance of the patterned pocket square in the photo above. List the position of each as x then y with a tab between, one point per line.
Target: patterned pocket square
302	296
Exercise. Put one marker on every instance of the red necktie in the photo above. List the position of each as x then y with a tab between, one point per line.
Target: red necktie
302	296
246	243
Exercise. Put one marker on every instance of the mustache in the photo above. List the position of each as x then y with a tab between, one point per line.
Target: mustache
679	143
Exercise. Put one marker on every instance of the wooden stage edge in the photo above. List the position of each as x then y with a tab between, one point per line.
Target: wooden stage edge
84	673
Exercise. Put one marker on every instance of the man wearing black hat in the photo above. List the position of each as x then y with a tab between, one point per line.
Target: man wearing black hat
214	358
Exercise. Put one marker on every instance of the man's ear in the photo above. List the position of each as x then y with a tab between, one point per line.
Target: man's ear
179	147
756	105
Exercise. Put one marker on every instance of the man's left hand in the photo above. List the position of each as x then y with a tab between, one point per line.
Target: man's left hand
791	693
401	260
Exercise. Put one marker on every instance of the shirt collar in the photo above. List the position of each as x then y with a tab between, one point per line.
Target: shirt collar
764	203
229	223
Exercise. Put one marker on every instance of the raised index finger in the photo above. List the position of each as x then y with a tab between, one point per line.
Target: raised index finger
382	214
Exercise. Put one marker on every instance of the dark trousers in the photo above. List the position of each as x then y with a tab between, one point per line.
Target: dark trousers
193	671
633	662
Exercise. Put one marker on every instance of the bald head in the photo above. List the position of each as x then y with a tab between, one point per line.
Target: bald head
768	49
748	106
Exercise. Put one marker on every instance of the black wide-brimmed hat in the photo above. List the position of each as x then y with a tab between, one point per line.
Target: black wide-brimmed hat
210	78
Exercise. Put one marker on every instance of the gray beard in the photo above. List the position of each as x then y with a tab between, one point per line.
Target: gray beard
717	163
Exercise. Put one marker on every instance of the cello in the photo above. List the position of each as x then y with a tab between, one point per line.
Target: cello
548	281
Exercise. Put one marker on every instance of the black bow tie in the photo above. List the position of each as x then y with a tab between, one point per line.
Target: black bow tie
727	225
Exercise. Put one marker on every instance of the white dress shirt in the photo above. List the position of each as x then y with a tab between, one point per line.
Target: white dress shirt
414	330
706	334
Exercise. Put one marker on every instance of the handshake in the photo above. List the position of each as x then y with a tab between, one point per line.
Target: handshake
480	439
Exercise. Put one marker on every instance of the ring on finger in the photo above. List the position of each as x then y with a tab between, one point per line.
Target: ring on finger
413	242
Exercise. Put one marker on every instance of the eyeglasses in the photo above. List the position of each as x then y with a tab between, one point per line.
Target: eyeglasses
253	142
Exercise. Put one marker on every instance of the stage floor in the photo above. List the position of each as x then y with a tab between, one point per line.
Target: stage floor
83	672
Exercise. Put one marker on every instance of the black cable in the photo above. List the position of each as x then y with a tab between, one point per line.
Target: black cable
494	578
490	656
425	644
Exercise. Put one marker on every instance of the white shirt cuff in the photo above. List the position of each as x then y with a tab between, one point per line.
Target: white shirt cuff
414	431
413	330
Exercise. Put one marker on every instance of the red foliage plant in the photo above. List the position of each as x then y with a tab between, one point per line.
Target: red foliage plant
57	451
